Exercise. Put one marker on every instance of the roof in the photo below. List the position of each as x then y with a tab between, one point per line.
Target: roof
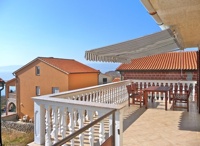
181	16
11	80
67	66
160	42
116	79
166	61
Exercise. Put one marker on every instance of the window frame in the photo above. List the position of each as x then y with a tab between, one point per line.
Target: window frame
56	89
37	91
105	80
37	70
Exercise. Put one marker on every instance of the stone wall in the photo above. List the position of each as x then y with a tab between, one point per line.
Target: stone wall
160	75
19	126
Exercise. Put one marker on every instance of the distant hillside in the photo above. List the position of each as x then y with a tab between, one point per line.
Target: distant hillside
114	74
104	67
6	71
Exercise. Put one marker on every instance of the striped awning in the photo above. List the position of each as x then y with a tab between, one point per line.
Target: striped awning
124	52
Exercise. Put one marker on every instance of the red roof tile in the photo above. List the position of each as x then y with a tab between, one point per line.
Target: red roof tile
68	65
166	61
116	80
64	65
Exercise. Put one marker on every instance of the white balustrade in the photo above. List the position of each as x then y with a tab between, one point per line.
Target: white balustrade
58	113
169	82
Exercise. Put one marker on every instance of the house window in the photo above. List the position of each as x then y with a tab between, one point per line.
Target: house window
104	80
55	90
37	90
37	70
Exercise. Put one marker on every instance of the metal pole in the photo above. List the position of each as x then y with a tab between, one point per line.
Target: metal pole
113	128
2	85
0	118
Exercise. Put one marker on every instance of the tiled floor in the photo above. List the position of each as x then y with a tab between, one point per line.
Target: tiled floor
157	127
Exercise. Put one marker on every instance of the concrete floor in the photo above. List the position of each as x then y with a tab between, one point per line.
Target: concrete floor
156	127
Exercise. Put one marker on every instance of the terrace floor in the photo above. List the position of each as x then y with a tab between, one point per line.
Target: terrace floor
155	126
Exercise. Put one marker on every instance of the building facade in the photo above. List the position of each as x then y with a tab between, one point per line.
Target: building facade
50	75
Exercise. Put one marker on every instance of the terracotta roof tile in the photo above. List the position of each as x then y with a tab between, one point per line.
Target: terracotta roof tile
68	65
166	61
116	79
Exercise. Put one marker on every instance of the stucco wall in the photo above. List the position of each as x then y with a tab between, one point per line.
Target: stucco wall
28	80
101	76
82	80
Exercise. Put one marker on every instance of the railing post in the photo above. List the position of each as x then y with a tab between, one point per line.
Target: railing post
193	92
119	127
39	124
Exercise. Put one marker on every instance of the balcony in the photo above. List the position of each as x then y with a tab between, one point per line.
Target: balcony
59	115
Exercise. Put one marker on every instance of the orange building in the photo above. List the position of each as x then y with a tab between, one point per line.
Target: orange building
50	75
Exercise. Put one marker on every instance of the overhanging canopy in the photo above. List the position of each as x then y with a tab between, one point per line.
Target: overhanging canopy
124	52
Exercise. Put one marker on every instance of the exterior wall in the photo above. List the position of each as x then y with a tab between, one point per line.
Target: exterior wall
27	80
82	80
101	76
160	75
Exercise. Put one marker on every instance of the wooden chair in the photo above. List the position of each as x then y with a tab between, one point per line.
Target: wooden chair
137	97
180	97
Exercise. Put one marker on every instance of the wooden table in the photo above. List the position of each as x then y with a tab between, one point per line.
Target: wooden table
156	89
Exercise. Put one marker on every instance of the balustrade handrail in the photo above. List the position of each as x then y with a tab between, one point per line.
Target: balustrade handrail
87	89
73	135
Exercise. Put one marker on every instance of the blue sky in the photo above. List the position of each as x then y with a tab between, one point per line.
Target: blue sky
67	28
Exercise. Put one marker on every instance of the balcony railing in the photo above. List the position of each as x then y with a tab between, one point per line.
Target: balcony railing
59	115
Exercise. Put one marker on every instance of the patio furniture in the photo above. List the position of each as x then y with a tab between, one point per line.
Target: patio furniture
180	97
163	89
135	95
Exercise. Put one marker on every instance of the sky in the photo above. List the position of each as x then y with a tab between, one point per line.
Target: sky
67	28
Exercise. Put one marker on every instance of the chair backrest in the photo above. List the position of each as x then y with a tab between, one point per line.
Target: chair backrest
129	89
134	87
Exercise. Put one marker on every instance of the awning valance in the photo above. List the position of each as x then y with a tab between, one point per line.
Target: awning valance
124	52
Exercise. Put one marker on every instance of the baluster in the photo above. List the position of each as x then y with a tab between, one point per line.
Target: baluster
59	121
75	118
48	126
159	94
178	85
110	125
93	96
117	94
71	123
54	132
86	97
80	123
91	129
63	125
113	95
173	87
110	98
183	86
193	92
101	130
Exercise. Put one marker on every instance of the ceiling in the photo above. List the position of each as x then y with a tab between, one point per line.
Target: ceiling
181	16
